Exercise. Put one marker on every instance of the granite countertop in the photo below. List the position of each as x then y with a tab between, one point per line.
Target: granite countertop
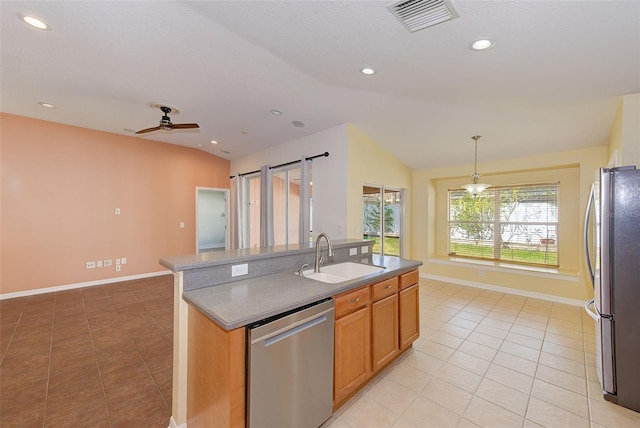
240	303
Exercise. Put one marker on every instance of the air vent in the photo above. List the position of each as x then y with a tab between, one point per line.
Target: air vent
419	14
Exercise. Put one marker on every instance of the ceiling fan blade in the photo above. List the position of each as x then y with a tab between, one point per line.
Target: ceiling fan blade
184	125
144	131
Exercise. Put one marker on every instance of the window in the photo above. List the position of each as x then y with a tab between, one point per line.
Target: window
516	224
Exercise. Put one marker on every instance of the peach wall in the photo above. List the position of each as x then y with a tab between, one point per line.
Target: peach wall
61	185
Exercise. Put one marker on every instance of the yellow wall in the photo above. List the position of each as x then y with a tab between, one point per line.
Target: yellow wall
624	138
614	149
575	170
370	164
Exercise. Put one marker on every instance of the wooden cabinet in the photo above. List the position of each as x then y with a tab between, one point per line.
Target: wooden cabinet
384	288
373	325
384	331
409	312
384	323
352	352
216	374
351	300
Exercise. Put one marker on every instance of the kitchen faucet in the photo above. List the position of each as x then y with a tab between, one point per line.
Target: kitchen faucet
319	258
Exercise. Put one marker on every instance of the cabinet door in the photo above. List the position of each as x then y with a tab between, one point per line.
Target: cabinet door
352	350
409	316
384	331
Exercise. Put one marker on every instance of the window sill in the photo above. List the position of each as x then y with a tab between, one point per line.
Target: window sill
536	271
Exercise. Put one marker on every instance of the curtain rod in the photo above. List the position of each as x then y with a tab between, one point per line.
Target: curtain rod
325	154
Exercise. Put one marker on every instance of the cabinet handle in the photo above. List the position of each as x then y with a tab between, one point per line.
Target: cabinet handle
356	300
387	287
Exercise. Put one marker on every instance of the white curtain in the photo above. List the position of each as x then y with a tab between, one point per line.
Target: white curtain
266	207
236	215
304	223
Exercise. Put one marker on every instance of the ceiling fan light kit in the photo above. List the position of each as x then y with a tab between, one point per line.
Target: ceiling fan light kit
165	122
475	188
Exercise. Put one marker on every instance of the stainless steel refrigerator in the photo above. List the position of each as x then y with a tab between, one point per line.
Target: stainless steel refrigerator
612	248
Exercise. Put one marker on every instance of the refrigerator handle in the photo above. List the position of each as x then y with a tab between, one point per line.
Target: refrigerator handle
591	313
587	224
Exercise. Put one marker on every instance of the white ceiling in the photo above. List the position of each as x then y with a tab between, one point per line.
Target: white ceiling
552	82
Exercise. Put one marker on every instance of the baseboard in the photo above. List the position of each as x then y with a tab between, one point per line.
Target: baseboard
172	424
81	285
501	289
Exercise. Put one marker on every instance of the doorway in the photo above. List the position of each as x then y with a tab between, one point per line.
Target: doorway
211	219
382	211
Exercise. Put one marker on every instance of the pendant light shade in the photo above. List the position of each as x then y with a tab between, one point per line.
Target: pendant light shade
475	188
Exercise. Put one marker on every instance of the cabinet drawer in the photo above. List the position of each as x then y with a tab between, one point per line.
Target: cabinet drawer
352	300
384	288
408	279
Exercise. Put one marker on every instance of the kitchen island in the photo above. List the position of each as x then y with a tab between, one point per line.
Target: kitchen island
212	308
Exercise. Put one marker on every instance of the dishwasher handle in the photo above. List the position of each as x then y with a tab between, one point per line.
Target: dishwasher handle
295	330
288	330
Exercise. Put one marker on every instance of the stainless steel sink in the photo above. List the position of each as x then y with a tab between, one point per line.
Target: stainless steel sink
341	272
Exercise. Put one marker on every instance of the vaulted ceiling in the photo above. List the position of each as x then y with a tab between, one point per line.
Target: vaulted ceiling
552	81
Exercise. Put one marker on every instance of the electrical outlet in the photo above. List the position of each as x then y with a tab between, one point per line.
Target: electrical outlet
123	261
182	225
99	263
118	267
237	270
91	265
117	211
480	272
118	262
364	249
108	263
353	251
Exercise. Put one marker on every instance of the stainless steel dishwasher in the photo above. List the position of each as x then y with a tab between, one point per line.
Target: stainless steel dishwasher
290	368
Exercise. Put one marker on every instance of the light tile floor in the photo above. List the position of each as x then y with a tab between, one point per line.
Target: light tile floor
489	359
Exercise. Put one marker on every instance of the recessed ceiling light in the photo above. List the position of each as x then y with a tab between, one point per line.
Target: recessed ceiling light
244	132
297	123
368	71
47	105
199	145
35	22
482	44
214	142
276	112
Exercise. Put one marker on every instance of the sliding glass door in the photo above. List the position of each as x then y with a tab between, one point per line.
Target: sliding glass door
251	216
382	219
286	207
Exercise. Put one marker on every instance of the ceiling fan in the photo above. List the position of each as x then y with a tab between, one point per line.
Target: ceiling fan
166	125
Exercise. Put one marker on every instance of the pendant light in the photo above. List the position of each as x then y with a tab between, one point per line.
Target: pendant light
475	188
